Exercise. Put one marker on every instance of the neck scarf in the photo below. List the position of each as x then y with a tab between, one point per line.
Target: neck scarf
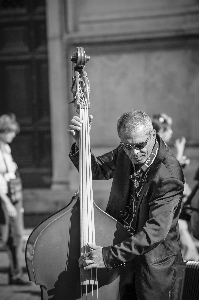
138	178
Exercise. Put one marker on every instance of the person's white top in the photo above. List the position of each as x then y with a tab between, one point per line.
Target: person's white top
7	167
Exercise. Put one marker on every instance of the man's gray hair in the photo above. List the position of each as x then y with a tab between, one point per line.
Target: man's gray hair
131	121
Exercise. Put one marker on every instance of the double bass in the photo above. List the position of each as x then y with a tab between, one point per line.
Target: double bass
55	245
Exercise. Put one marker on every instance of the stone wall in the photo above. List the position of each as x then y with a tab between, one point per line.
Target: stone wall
144	55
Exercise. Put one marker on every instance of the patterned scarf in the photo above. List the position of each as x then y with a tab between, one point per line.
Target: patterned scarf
138	178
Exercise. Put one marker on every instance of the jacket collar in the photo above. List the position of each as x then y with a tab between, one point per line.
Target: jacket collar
163	148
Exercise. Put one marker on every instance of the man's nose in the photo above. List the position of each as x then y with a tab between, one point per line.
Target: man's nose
135	151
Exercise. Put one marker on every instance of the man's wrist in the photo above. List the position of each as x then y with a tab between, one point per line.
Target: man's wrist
76	145
74	150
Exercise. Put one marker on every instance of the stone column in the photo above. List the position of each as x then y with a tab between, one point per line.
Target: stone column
58	95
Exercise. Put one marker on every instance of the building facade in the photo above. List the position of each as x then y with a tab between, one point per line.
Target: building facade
144	55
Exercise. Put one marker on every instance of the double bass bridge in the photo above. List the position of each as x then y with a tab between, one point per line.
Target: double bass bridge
89	283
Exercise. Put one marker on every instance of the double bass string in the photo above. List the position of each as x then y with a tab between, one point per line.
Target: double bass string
90	208
88	235
87	206
86	198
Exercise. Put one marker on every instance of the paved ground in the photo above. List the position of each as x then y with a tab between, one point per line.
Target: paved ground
13	292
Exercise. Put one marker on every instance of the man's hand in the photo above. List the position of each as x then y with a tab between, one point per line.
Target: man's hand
92	259
76	125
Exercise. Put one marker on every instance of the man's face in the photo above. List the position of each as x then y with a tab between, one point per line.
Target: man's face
141	144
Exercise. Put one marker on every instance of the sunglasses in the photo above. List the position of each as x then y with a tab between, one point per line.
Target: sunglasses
138	146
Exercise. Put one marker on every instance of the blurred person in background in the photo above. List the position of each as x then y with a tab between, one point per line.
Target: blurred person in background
11	201
194	219
162	124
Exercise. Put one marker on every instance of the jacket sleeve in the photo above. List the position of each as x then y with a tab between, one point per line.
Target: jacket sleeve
102	166
164	200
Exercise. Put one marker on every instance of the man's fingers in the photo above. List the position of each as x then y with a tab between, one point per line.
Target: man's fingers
71	132
85	262
91	266
75	127
76	120
92	246
87	255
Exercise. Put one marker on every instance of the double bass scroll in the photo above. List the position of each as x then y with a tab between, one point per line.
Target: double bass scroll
55	245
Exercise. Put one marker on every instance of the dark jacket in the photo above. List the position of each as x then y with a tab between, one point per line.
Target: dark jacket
154	247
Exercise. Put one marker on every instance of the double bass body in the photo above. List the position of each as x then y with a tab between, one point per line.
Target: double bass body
53	250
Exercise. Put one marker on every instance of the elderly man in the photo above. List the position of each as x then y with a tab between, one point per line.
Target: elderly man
146	198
